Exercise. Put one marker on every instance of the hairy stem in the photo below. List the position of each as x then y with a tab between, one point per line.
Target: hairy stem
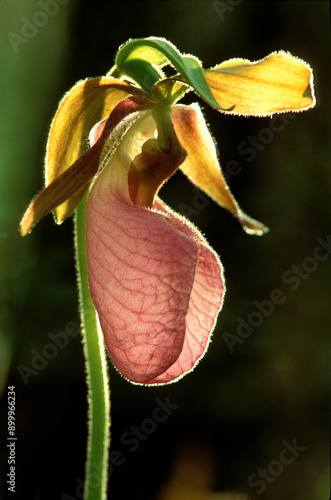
96	374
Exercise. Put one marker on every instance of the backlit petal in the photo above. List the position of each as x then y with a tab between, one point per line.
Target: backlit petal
277	83
201	165
155	283
205	300
85	104
75	180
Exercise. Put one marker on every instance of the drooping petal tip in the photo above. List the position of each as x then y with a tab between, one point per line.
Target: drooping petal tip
202	167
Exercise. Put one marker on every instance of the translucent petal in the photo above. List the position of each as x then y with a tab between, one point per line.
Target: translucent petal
201	165
156	284
277	83
72	183
85	104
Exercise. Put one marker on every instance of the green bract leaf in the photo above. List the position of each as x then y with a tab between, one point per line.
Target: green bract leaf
159	52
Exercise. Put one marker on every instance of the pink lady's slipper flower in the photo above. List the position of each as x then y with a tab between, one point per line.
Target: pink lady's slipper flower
156	284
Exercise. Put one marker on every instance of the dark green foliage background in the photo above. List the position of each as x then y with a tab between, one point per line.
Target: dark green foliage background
241	406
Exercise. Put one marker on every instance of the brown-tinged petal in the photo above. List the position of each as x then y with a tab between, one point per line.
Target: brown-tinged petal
159	159
201	165
78	176
86	103
278	83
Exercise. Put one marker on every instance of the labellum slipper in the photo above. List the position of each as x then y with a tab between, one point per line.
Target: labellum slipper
155	282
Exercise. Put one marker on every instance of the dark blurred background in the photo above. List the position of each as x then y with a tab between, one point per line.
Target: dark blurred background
243	405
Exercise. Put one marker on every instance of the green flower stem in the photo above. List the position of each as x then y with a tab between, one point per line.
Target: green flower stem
165	129
96	374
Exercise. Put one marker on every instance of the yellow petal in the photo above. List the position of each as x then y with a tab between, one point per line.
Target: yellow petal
201	165
277	83
75	180
86	103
